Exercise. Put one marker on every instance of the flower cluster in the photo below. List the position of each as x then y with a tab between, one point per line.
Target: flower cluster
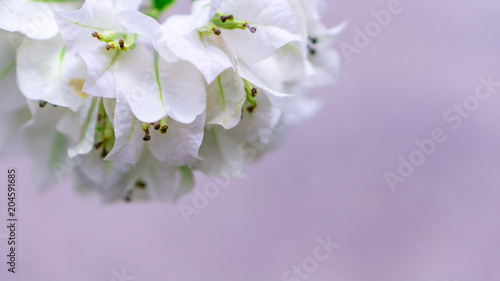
133	106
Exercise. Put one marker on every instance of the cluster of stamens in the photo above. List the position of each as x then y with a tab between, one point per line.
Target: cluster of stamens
113	40
158	126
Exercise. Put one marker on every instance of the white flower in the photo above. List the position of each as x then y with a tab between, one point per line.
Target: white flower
270	24
81	31
320	62
118	62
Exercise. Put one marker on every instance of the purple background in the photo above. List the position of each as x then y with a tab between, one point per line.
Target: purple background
442	223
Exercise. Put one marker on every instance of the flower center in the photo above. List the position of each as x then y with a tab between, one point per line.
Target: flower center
222	21
158	126
116	40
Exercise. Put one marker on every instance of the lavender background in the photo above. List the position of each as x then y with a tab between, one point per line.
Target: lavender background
442	223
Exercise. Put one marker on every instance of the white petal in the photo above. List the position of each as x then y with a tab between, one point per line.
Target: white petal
208	57
71	123
258	126
100	65
203	11
326	63
277	99
76	27
225	97
222	155
46	72
181	143
165	182
155	89
275	22
129	135
107	178
142	24
87	135
33	18
139	23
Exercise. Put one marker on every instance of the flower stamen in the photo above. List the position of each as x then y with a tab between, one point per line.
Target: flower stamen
110	46
121	42
140	184
97	35
225	18
251	28
164	129
145	128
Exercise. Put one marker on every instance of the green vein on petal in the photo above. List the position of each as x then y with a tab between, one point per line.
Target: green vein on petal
113	60
7	69
157	72
89	123
61	62
223	98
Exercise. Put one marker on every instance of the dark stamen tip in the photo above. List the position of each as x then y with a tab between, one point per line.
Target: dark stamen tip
312	51
110	46
254	92
164	129
217	31
140	184
97	145
42	103
251	28
250	109
225	18
96	35
147	137
104	153
128	196
157	126
313	40
122	44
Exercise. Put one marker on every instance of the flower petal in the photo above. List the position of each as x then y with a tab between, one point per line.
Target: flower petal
129	141
155	88
209	56
276	26
181	144
46	72
225	97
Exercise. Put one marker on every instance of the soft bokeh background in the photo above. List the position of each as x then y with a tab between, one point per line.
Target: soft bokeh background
442	223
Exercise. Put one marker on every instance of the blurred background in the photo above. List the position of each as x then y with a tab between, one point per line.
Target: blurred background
326	182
